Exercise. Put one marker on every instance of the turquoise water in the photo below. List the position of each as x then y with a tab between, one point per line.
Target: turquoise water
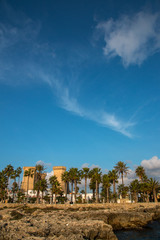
151	231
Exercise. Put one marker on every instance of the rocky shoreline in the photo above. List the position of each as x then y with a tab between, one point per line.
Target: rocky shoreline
85	221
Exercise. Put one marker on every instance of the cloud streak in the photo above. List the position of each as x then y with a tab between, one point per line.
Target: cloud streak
70	104
133	39
19	45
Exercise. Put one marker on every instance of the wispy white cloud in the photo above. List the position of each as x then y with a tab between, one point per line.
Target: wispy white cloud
71	104
132	38
19	44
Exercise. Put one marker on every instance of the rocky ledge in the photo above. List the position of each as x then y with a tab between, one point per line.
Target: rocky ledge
77	222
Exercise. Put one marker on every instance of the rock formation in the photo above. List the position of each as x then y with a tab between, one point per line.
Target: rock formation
74	223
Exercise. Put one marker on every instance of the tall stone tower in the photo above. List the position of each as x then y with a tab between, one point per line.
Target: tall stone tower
25	179
58	171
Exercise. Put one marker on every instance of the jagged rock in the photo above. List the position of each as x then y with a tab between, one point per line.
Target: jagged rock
84	223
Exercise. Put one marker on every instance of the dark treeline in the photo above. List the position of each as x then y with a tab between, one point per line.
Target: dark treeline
104	187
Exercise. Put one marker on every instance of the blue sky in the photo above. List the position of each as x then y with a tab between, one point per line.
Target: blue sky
79	82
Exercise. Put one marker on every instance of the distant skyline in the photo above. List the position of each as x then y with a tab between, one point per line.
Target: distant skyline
80	83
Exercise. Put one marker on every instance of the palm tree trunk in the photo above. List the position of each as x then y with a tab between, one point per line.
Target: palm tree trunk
85	188
107	195
93	193
147	200
97	198
52	197
71	190
155	195
135	197
19	183
66	185
114	187
27	187
42	195
75	190
122	178
55	198
38	196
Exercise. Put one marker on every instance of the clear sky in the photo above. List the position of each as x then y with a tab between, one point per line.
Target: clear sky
79	82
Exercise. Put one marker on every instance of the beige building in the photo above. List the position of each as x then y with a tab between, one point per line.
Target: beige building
30	181
58	171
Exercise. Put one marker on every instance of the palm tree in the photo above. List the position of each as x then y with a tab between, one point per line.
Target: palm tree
85	175
15	185
19	171
55	187
134	189
154	185
71	180
75	176
9	171
106	184
28	173
39	176
140	172
14	189
145	190
121	169
123	190
92	186
3	185
43	186
95	174
65	178
113	178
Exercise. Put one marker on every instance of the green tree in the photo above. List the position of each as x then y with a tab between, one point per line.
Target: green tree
55	187
85	175
3	185
66	179
121	169
39	176
92	186
123	190
134	189
71	180
113	178
28	173
43	186
14	189
9	171
140	172
14	185
96	174
154	185
106	184
19	171
75	176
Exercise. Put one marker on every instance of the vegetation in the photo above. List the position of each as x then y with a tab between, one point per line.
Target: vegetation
121	169
85	175
55	187
105	187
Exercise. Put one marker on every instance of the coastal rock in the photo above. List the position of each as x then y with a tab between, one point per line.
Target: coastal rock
31	222
132	220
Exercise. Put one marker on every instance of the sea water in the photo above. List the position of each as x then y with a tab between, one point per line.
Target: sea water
150	232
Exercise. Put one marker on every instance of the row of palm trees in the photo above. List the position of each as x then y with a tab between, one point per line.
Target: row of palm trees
144	189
